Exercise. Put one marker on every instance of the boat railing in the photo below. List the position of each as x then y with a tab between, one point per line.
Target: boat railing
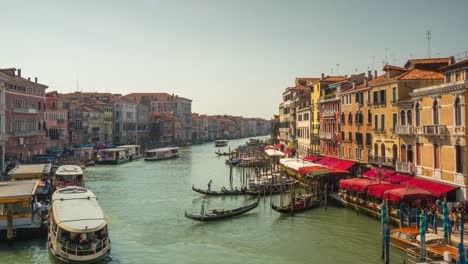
413	256
84	249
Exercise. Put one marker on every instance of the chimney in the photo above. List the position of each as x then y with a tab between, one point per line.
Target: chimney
375	73
354	84
35	79
365	81
29	78
369	74
323	75
19	73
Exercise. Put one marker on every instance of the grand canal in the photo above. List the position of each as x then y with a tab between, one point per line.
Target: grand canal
145	203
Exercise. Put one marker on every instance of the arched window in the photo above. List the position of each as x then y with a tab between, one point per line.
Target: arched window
369	116
394	152
376	149
382	150
458	112
350	118
402	118
435	112
350	136
410	154
356	117
409	119
418	115
403	153
343	118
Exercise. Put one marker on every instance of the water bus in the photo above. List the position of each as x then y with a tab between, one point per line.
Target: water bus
68	175
161	153
112	156
220	143
20	213
77	226
132	151
40	172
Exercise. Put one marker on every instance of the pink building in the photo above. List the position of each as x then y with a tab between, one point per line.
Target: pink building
25	108
56	118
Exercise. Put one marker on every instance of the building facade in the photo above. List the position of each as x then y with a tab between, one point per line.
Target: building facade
56	118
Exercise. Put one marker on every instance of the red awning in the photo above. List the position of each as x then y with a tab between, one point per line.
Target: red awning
398	178
377	190
278	146
344	165
311	158
324	160
372	174
356	184
268	147
288	151
407	194
437	189
319	170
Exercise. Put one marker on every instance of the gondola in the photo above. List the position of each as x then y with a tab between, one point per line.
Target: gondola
233	192
297	208
224	153
217	214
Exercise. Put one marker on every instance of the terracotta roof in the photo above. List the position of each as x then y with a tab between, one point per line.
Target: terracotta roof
459	64
429	61
393	67
418	74
334	78
376	80
157	96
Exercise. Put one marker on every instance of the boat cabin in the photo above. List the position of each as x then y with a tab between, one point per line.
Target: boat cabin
220	143
40	172
132	151
18	201
162	153
112	156
68	175
78	226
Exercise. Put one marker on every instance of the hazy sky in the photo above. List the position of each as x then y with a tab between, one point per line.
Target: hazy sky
230	57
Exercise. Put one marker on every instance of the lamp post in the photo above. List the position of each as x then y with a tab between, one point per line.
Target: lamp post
378	171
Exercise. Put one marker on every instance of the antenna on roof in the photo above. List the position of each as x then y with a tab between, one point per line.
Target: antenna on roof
386	51
428	37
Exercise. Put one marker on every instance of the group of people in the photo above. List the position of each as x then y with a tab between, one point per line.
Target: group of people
456	213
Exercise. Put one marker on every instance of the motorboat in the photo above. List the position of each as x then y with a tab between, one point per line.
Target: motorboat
161	153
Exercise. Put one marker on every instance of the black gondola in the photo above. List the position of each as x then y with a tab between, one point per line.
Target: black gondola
228	192
296	208
217	214
224	153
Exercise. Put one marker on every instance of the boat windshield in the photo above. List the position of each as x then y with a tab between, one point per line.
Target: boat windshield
82	243
68	180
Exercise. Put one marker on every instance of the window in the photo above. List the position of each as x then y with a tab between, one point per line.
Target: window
342	118
350	136
435	112
342	135
369	116
359	138
358	153
382	120
458	112
394	94
395	117
383	97
436	156
376	122
300	117
418	115
368	139
350	118
409	114
368	96
459	158
376	98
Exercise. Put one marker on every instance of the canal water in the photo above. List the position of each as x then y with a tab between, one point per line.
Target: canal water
145	204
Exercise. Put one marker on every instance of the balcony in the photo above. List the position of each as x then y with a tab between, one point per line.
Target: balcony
406	167
29	133
327	135
329	113
382	160
432	130
369	102
404	130
25	110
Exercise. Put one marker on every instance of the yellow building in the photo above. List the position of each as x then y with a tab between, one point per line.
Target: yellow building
440	114
387	97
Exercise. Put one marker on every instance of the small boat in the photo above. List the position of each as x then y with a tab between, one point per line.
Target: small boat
112	156
132	151
161	153
228	192
304	204
78	227
234	162
220	143
224	153
217	214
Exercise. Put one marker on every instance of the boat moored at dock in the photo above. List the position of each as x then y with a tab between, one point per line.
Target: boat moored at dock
77	227
40	172
68	175
132	151
161	153
112	156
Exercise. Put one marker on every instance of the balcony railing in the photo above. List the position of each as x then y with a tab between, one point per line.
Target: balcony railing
406	167
28	133
382	160
329	113
432	130
404	130
327	135
25	110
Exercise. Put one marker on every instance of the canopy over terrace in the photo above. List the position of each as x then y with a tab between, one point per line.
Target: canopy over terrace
378	190
274	153
295	164
436	189
318	170
406	194
374	174
311	158
358	184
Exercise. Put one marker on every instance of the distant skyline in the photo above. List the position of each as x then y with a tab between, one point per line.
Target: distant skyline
229	57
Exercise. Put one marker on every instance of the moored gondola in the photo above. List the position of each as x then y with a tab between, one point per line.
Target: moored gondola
298	206
218	214
228	192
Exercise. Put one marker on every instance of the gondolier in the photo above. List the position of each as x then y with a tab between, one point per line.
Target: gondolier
209	184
